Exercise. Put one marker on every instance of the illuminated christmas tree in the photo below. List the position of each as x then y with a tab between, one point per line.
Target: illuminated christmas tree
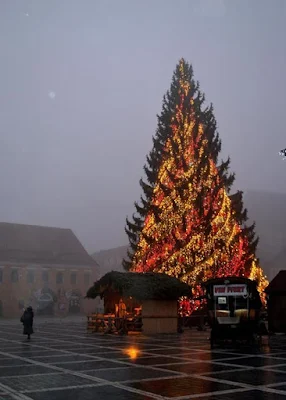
187	224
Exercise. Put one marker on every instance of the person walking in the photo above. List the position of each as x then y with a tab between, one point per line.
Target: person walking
27	320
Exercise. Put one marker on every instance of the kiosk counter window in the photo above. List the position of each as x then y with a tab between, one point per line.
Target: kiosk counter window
231	300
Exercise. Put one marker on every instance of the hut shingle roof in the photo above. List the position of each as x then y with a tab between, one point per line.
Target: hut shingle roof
140	286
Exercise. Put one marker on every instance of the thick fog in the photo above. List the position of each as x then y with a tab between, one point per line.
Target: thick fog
81	83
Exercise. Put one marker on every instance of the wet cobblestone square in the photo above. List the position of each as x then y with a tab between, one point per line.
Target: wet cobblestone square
64	361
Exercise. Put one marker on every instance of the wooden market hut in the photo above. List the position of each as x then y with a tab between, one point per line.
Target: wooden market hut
276	303
157	294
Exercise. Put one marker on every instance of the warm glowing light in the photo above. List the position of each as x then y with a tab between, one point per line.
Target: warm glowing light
190	229
257	274
219	252
132	352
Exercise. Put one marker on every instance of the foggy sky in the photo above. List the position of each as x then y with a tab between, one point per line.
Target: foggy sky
81	82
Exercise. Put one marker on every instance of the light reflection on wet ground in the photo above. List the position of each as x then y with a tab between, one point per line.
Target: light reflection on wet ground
63	361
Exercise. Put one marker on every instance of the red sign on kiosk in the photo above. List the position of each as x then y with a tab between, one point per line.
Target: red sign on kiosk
230	290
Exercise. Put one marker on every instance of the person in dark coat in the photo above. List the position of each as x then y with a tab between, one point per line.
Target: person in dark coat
27	320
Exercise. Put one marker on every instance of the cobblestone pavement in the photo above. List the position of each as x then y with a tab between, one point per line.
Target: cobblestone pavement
63	361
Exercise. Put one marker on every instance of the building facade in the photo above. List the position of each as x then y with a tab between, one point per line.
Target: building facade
47	268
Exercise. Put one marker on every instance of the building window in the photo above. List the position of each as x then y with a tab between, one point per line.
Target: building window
30	276
86	279
1	275
73	278
14	276
45	276
60	278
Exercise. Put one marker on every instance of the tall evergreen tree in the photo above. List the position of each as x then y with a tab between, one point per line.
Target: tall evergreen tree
186	224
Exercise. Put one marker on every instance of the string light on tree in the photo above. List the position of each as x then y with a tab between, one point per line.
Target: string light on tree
188	225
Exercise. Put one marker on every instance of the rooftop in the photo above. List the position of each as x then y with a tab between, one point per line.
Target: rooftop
149	286
41	245
278	284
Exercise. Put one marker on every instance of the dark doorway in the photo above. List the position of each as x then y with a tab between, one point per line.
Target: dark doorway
74	303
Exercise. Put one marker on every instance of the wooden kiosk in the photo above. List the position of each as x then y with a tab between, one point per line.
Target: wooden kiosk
151	297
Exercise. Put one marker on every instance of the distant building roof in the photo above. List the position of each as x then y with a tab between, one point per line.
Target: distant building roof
110	260
278	284
41	245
